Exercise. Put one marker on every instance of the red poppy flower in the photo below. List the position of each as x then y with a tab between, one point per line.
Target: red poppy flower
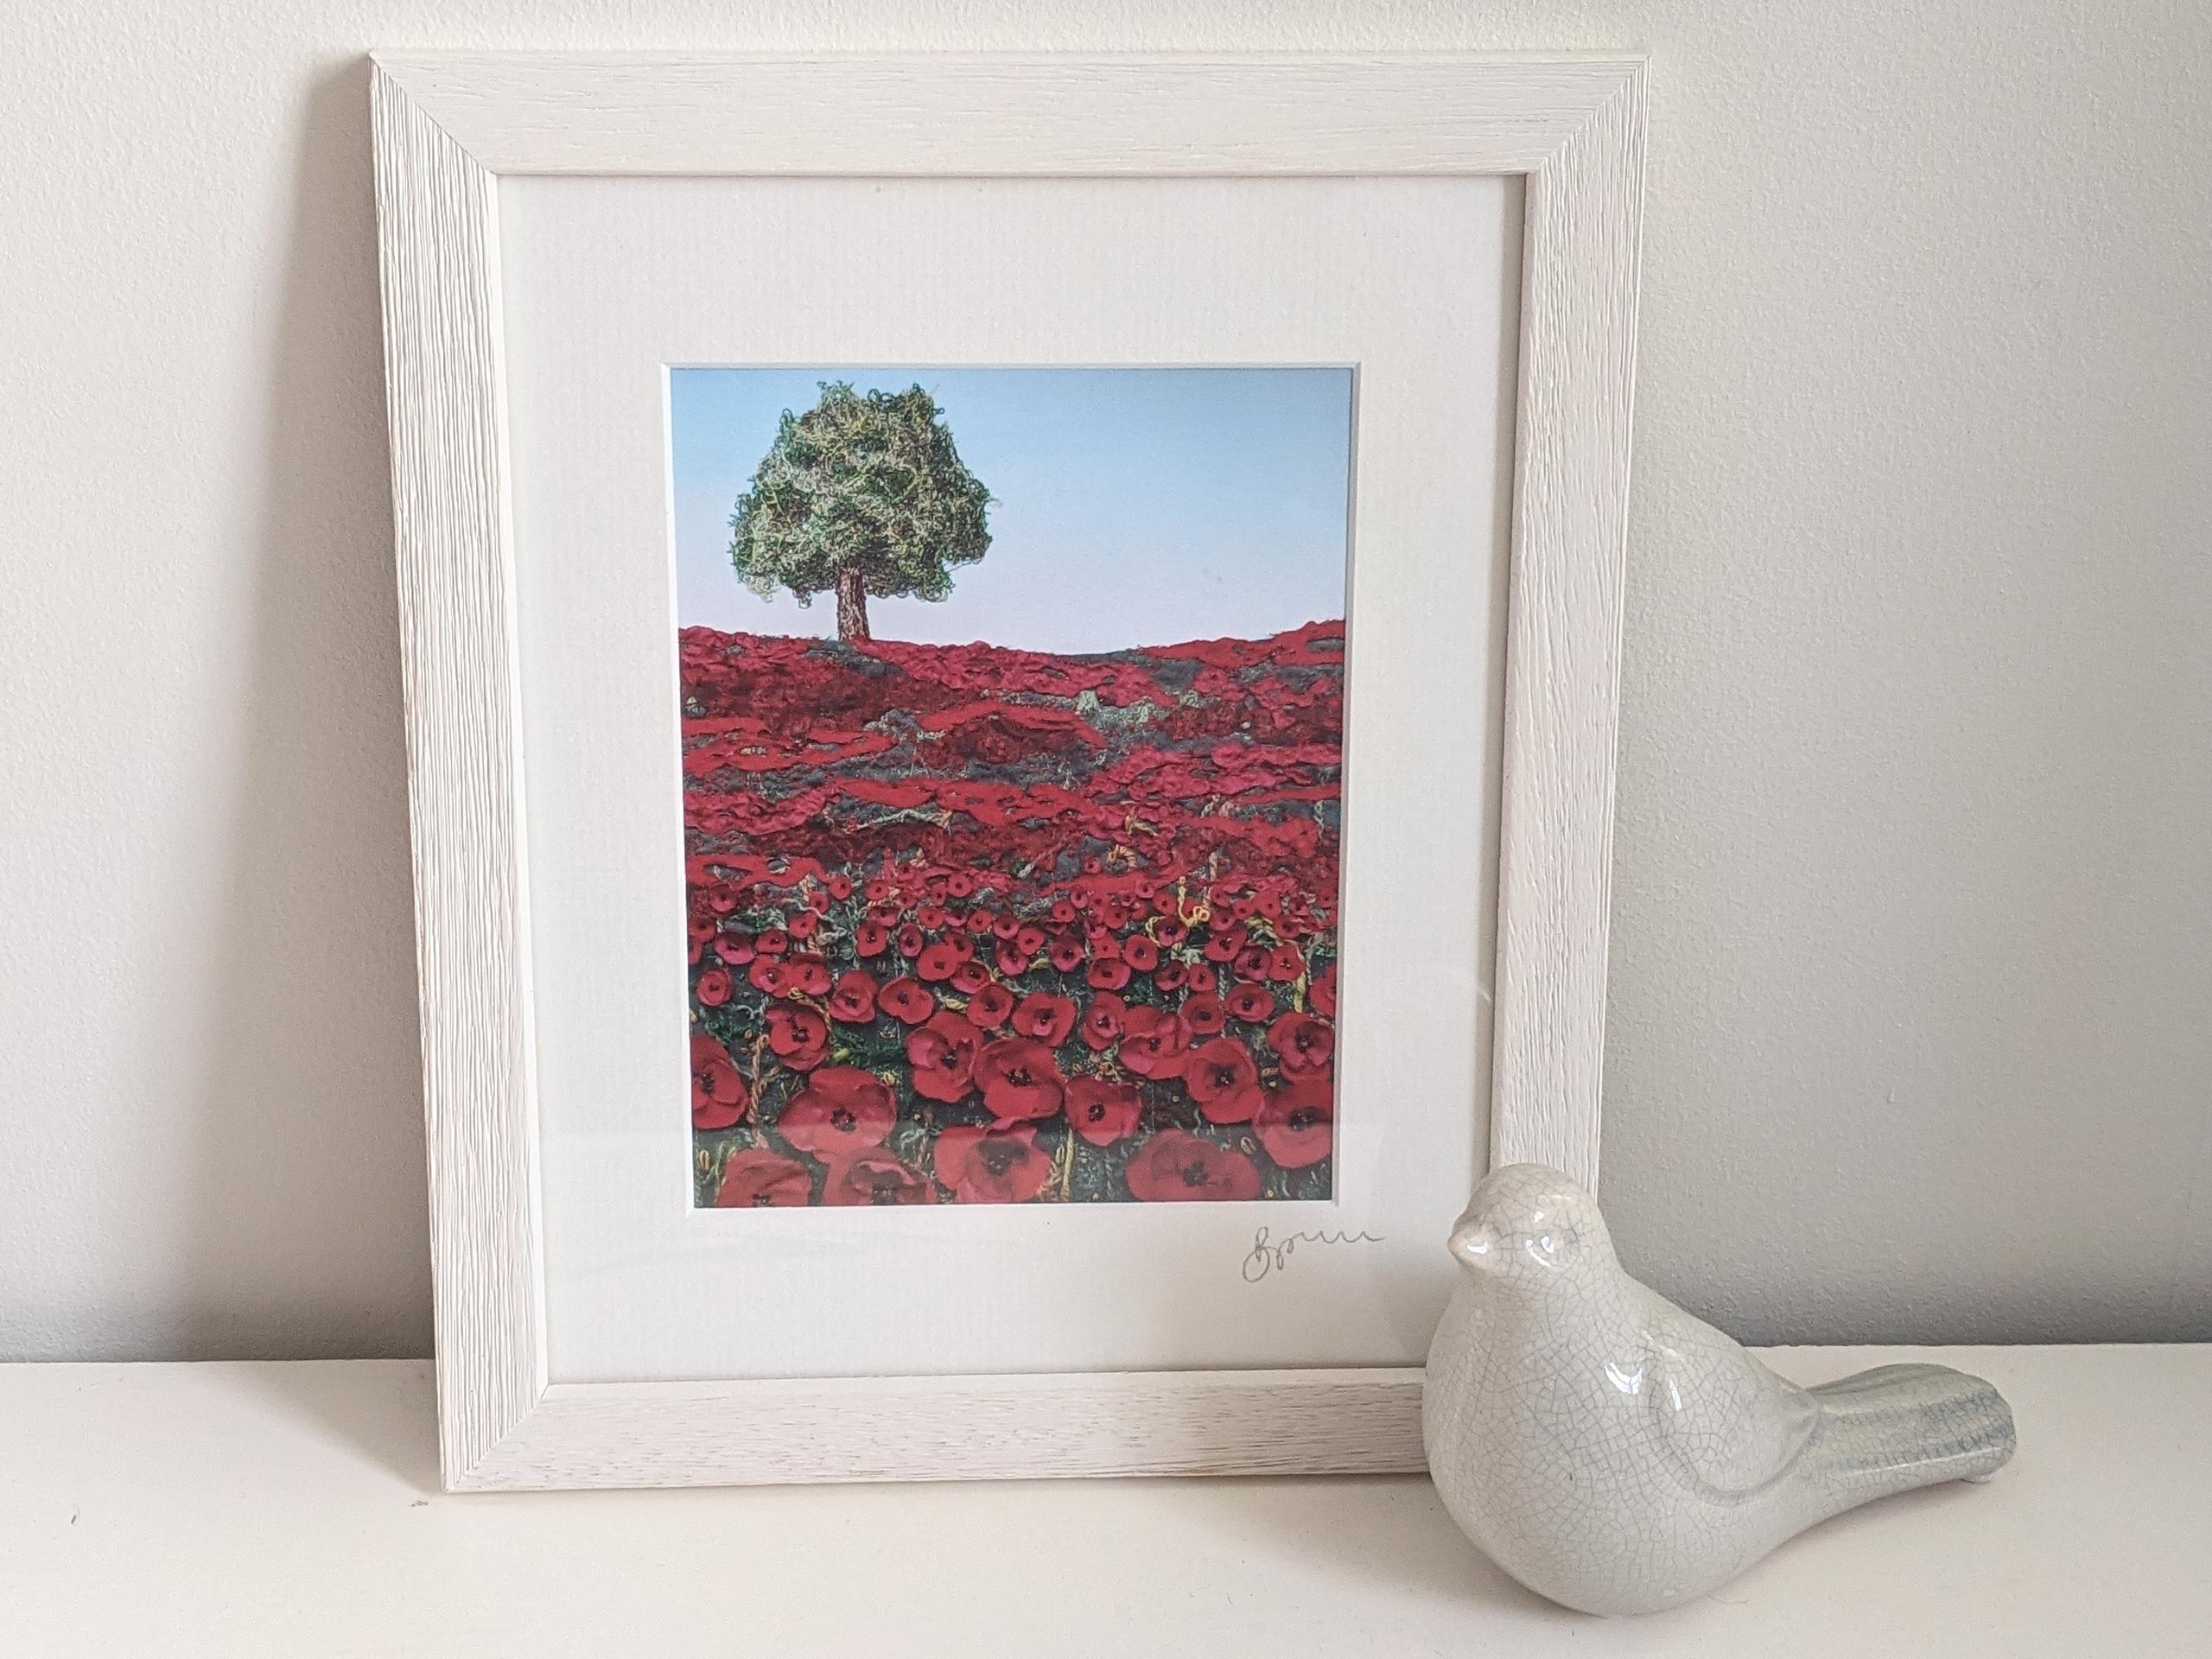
721	900
1108	974
1142	954
735	949
1169	976
937	963
767	976
1253	962
876	1178
943	1051
702	929
719	1096
1203	980
1013	961
970	977
1066	953
1251	1002
1047	1019
930	916
1063	911
1322	993
1296	1125
1223	947
979	921
1029	940
991	1007
757	1179
841	1112
1103	1112
1155	1043
840	886
959	884
774	943
714	989
1222	1078
802	925
817	901
1170	932
1006	928
1176	1165
1285	964
1020	1079
877	890
808	975
1102	1024
1306	1045
992	1165
799	1036
905	1002
698	950
962	946
1205	1015
911	940
853	1002
870	938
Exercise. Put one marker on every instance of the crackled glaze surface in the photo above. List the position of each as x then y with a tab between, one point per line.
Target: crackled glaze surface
1615	1453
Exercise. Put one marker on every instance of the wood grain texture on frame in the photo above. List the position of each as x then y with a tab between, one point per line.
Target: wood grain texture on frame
446	127
1580	237
1257	1422
438	223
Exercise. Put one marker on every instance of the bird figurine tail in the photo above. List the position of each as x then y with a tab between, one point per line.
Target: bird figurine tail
1899	1426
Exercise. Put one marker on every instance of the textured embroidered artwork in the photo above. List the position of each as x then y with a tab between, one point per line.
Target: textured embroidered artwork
1013	718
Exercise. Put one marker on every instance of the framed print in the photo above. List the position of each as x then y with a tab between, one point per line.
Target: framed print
1010	679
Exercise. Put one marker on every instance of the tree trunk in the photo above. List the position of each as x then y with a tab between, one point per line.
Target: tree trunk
852	606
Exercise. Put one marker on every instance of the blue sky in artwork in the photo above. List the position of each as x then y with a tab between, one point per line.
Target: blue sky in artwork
1131	507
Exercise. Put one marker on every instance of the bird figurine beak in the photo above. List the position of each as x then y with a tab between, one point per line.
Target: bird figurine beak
1474	1244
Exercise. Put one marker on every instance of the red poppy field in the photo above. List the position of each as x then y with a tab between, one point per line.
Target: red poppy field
979	925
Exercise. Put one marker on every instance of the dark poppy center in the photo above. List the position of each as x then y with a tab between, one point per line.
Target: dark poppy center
1000	1156
841	1118
1301	1120
1194	1174
1097	1110
1018	1077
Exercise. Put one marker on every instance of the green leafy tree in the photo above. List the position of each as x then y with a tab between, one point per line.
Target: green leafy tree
859	495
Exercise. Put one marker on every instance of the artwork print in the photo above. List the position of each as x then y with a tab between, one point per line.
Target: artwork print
1013	718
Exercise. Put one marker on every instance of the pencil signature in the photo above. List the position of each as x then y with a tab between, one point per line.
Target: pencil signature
1273	1254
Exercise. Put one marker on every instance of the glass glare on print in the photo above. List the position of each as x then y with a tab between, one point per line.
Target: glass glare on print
1013	716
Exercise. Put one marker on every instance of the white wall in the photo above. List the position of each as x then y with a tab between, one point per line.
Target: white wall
1912	975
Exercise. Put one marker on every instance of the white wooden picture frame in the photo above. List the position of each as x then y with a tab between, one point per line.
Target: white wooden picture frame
448	127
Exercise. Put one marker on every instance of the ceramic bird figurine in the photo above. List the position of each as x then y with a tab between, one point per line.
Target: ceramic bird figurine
1618	1455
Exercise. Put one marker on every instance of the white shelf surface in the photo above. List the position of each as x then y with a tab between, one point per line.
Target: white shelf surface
244	1509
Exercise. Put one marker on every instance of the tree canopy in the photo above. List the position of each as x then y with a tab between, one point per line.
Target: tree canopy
863	494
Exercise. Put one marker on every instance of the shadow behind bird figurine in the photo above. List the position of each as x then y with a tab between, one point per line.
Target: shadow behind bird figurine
1618	1455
